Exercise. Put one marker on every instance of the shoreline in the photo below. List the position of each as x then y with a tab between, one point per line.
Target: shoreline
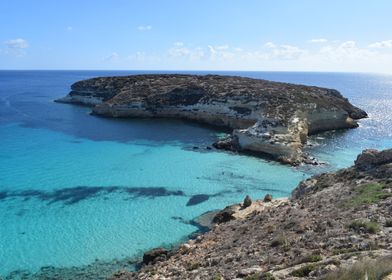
331	224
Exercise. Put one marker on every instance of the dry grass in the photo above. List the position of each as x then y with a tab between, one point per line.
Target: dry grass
375	270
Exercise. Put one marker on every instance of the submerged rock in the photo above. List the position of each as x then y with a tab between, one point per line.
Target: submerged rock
267	118
197	199
154	255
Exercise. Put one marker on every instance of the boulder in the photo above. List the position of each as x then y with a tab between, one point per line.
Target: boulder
155	255
370	158
247	202
224	215
268	198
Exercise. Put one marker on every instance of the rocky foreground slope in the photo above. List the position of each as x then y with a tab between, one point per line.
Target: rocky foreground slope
266	117
335	226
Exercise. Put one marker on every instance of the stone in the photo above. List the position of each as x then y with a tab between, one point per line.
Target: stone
224	215
154	255
249	271
371	158
267	198
247	202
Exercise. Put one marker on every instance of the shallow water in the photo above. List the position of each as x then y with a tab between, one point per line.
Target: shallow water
75	188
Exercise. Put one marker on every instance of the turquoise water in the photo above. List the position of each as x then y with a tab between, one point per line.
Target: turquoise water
75	188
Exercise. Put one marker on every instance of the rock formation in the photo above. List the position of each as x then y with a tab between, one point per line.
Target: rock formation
334	225
269	118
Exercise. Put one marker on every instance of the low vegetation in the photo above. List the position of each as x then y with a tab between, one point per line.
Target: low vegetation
312	258
367	194
374	269
193	266
258	276
388	223
365	226
304	271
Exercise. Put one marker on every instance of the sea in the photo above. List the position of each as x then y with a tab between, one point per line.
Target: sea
82	194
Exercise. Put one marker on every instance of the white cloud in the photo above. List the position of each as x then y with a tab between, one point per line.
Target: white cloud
179	50
112	57
144	27
270	45
329	56
16	47
16	43
318	40
221	53
287	52
345	51
381	45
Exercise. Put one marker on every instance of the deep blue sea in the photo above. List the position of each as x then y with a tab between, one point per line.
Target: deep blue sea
77	189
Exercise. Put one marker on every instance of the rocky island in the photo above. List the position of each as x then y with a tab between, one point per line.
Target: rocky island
267	118
335	226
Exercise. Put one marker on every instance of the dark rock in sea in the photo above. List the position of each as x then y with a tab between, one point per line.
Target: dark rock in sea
267	198
73	195
247	202
97	270
155	255
204	221
197	199
224	215
229	144
3	195
268	118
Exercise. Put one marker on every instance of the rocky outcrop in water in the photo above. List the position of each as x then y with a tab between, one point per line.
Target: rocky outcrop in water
267	117
334	225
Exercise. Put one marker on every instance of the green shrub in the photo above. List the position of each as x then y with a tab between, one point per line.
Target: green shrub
267	276
312	258
217	277
369	227
388	223
193	266
279	241
303	271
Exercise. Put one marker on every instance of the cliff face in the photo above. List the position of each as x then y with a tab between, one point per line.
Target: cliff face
266	117
334	226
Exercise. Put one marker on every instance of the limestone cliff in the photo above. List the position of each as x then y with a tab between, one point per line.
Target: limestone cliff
266	117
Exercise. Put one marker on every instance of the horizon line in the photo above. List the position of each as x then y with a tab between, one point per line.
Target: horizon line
198	70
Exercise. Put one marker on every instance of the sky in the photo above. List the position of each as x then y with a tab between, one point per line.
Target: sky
248	35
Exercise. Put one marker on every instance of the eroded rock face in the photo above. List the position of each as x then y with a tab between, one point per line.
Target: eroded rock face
266	117
371	158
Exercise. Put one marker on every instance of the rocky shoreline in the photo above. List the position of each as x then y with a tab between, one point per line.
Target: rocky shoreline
267	118
334	226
